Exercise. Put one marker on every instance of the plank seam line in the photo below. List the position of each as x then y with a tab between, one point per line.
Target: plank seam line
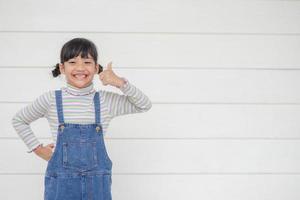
186	138
155	32
191	103
181	173
296	68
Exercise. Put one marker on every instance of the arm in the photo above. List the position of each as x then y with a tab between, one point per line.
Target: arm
132	101
22	119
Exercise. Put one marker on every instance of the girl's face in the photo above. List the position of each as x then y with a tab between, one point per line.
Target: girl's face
79	71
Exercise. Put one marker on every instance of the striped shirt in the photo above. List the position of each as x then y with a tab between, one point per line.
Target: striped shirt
78	107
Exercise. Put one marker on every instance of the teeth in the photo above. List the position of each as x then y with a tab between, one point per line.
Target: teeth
80	76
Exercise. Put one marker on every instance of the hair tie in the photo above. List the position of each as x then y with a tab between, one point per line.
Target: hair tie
56	71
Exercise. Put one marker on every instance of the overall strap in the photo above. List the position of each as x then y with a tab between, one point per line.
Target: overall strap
97	107
59	106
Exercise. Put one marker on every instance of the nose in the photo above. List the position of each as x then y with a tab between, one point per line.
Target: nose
79	66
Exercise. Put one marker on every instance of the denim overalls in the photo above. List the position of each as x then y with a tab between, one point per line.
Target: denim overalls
80	168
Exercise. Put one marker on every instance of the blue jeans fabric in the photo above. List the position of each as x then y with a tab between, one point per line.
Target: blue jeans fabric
80	168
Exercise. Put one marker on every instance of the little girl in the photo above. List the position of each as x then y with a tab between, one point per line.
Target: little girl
79	168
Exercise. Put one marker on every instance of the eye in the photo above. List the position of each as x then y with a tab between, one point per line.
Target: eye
71	62
88	62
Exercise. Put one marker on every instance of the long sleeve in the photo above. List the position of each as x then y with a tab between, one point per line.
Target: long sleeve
22	119
132	101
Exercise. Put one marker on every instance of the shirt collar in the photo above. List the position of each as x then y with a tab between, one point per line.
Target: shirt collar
79	91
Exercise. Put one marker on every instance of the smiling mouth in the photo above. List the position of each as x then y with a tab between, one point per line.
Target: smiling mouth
80	76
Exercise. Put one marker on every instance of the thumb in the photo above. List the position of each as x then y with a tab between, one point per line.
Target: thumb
109	66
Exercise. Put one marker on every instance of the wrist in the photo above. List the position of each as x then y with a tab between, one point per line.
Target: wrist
37	149
120	82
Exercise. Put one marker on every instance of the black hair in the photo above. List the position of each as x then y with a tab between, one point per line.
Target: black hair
75	47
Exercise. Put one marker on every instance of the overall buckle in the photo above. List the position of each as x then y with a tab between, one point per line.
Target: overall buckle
98	128
61	126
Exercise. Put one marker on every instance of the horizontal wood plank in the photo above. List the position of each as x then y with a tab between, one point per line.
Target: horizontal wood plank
158	51
174	156
187	121
171	86
176	187
151	16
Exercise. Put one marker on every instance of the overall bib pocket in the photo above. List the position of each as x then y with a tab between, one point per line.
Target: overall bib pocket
80	155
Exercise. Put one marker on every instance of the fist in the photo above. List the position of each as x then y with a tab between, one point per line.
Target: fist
108	77
45	152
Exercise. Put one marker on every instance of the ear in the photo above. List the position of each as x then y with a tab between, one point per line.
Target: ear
62	68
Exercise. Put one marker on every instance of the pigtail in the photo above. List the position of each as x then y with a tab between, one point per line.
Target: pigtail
56	71
100	69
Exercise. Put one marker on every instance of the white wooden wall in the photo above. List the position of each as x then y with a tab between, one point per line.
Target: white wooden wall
223	76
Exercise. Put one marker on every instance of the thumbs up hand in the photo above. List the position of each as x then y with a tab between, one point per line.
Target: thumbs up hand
108	77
